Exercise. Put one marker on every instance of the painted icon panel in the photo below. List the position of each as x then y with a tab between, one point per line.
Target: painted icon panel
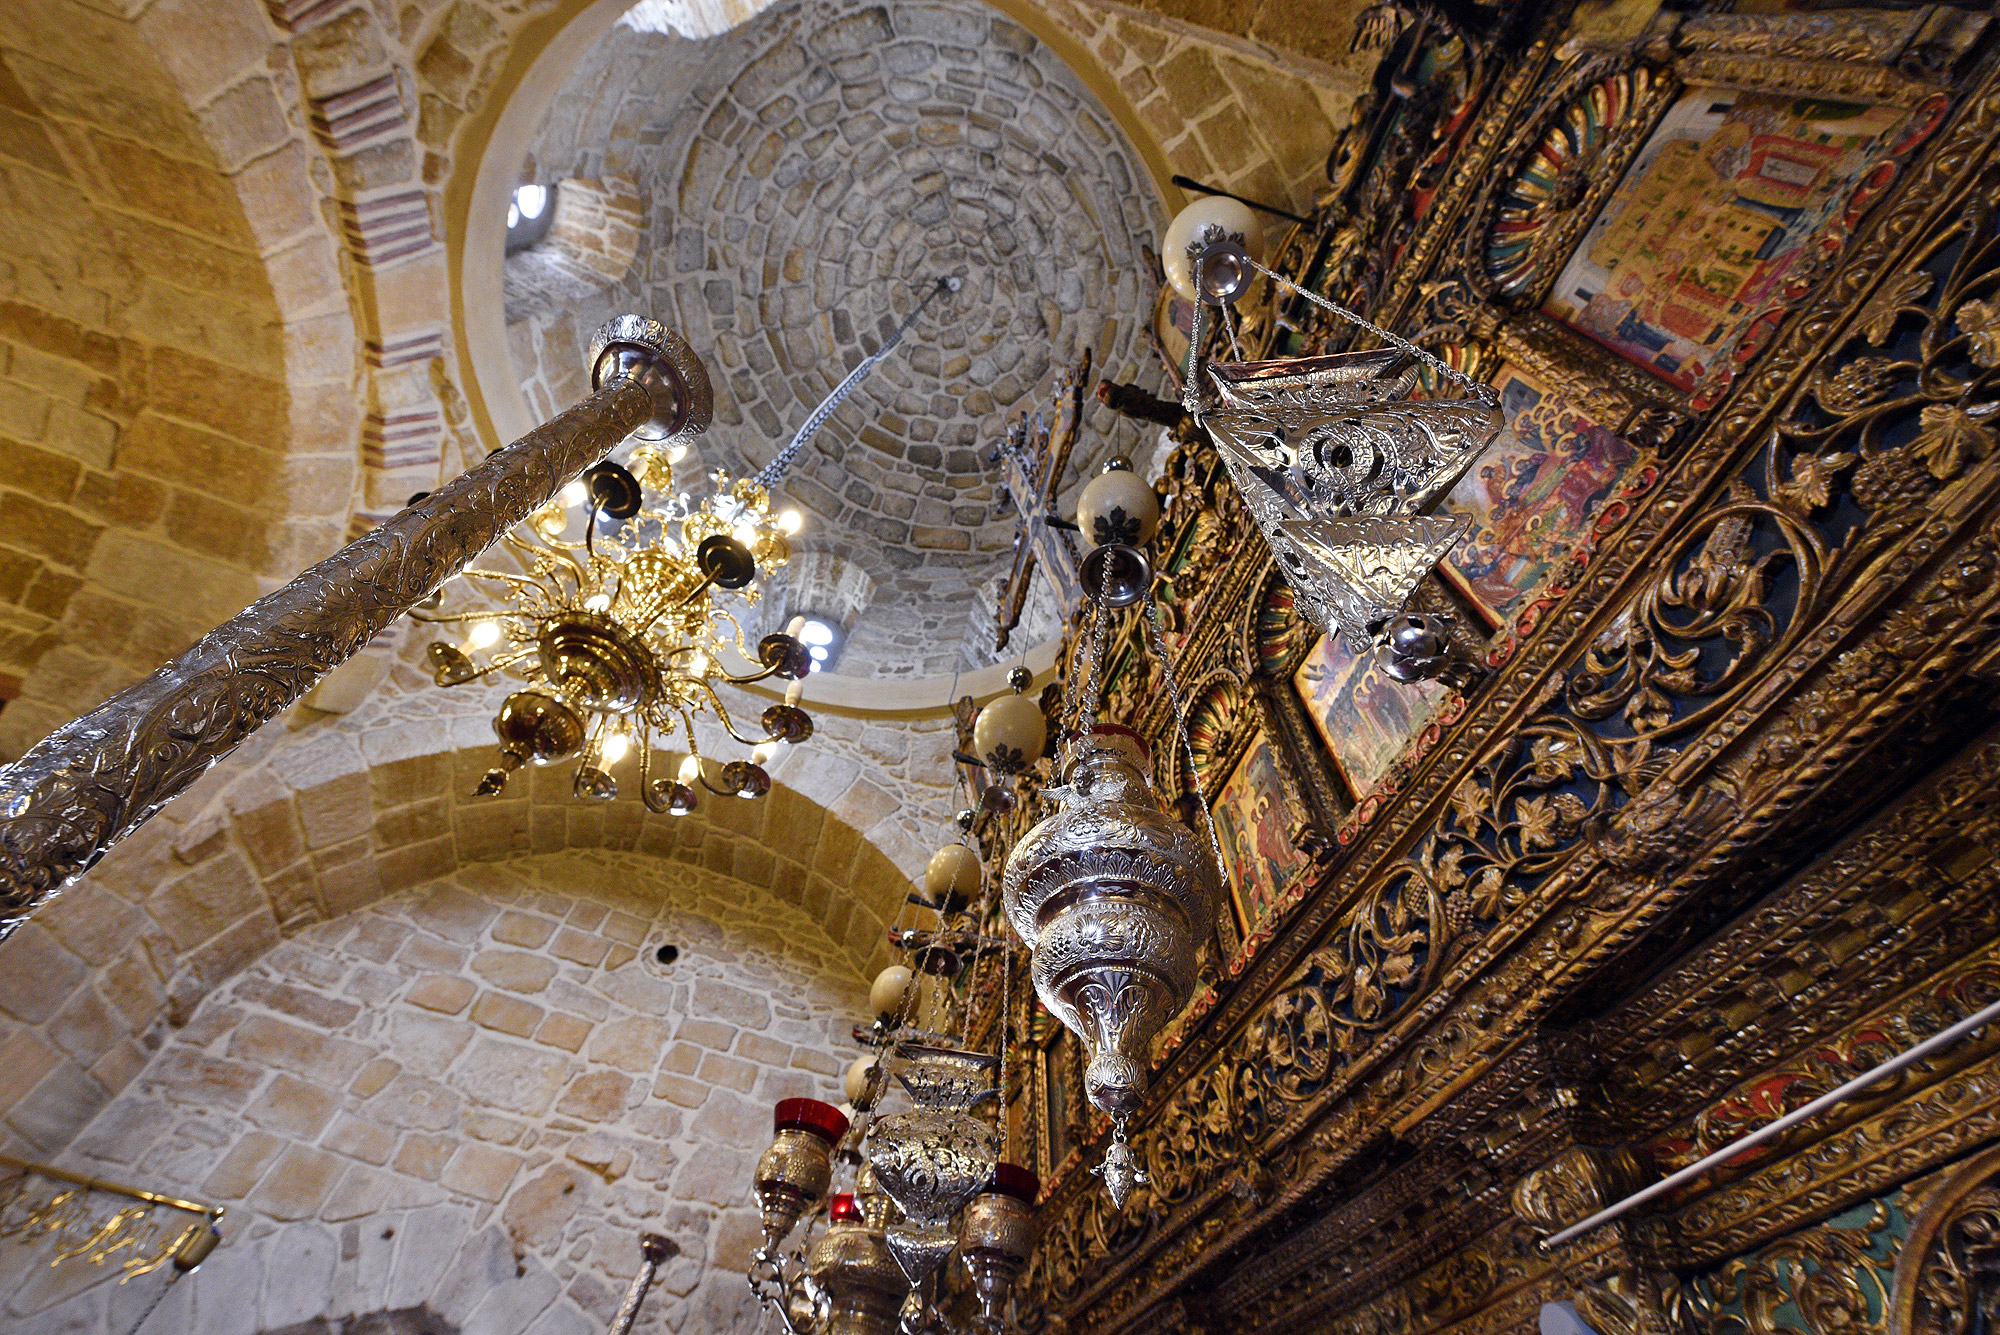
1716	212
1363	715
1533	494
1252	823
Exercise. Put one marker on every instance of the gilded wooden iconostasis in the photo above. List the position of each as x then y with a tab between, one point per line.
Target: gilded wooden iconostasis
1716	830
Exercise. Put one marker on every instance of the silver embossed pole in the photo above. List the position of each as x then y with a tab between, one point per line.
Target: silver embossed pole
93	781
653	1249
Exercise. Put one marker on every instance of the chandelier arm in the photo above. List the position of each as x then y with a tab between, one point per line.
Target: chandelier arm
774	472
729	724
497	665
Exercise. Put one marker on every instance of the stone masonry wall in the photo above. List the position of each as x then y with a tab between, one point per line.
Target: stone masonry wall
471	1096
176	415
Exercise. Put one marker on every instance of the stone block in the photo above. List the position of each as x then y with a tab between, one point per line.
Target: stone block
336	811
442	992
512	1078
297	1183
428	952
416	1104
514	970
535	1215
426	1043
188	1076
680	1089
509	1015
631	1043
424	1156
600	1096
733	1004
86	1028
313	1008
764	1051
265	1041
481	1171
728	1072
241	1168
378	1072
25	1057
579	947
292	1107
453	914
523	929
37	974
358	1138
376	939
562	1030
360	1194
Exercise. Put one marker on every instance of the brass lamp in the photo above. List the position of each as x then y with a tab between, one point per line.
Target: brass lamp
997	1235
851	1264
796	1170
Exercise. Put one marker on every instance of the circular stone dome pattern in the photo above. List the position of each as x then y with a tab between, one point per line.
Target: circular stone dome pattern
806	177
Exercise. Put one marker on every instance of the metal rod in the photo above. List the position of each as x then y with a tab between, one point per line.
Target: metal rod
1189	183
653	1249
114	1188
95	780
1860	1082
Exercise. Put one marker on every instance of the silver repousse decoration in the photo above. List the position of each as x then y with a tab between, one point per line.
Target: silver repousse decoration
1336	462
930	1161
954	1079
1338	458
1113	897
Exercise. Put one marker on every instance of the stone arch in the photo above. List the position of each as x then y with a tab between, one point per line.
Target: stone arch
293	837
180	425
469	1095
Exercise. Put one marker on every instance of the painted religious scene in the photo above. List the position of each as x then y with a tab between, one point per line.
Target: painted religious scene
1251	821
1533	495
1718	209
1363	715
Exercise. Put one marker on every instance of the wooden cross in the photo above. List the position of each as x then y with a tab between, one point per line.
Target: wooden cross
1032	462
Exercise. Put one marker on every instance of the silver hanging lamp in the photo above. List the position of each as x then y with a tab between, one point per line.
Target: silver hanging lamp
1338	460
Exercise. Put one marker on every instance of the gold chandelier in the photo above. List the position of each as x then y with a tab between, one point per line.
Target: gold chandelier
621	635
613	619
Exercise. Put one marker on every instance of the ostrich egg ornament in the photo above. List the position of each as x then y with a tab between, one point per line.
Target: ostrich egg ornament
1113	896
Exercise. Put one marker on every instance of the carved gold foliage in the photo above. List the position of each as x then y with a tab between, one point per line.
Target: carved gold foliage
1831	1280
1948	1276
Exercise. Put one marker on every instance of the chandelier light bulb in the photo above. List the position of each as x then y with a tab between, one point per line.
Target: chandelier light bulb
483	634
676	452
690	770
615	747
791	521
575	494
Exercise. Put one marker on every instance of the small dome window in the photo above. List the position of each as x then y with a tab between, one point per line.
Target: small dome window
529	214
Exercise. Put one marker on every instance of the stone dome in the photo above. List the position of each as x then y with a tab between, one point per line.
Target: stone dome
788	190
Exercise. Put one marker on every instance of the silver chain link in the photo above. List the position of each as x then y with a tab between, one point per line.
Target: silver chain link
1485	393
1159	643
774	472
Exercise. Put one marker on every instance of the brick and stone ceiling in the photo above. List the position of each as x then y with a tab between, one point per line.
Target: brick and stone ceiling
800	178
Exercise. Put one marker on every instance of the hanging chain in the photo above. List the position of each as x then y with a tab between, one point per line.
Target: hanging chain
1198	328
1484	393
1086	714
774	472
1005	1024
1159	644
